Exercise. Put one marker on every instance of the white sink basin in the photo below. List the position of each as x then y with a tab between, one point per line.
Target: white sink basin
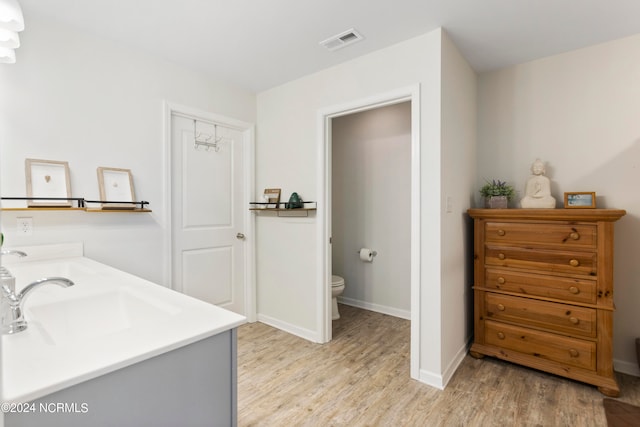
95	316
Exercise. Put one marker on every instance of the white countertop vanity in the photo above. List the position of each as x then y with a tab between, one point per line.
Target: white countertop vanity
116	349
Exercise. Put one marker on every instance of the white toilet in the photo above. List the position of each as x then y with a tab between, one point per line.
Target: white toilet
337	287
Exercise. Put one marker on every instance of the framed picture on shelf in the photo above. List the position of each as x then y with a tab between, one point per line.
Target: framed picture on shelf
48	178
116	185
582	199
272	197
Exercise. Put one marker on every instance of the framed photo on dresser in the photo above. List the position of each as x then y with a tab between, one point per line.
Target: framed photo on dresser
577	200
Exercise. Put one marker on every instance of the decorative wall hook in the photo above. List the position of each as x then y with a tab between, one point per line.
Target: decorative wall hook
204	139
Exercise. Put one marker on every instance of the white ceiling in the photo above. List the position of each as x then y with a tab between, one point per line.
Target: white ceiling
258	44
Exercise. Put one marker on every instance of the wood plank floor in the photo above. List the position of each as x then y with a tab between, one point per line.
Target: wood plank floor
361	378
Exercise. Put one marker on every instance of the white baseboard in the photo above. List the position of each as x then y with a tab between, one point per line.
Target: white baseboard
628	368
440	381
455	363
391	311
307	334
431	379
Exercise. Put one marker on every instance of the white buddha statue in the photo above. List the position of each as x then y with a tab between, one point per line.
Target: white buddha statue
538	189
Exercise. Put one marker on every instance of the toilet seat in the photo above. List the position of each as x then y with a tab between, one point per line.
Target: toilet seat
336	281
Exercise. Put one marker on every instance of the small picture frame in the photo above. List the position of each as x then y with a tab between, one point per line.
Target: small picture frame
116	185
272	197
580	200
48	178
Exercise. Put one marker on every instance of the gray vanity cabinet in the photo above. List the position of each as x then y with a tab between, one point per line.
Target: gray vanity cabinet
194	385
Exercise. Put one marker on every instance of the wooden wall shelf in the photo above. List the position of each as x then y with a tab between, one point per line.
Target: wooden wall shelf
81	205
282	211
91	210
44	209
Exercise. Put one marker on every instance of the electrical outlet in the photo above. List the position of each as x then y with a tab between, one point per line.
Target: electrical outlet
25	226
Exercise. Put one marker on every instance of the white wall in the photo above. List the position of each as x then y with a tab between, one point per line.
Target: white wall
75	97
578	112
458	176
287	157
371	207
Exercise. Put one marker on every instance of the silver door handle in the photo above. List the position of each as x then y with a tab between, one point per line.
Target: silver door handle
240	236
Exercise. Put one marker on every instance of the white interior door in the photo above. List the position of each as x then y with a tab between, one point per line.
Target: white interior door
207	213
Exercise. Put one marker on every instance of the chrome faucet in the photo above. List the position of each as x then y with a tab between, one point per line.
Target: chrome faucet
12	309
12	252
6	278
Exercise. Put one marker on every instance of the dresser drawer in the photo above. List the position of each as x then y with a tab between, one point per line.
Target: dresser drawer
547	346
563	235
545	261
570	290
563	318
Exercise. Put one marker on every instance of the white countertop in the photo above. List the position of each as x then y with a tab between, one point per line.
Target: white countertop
48	357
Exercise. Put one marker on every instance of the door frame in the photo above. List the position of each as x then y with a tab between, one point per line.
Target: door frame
325	115
248	163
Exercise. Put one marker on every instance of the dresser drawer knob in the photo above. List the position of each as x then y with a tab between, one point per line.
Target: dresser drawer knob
500	335
501	280
500	307
501	256
574	263
574	320
574	235
501	233
574	290
573	352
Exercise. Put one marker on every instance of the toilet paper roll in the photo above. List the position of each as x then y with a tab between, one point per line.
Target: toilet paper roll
366	255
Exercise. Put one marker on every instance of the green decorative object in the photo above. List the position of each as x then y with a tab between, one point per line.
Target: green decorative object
1	239
295	202
497	194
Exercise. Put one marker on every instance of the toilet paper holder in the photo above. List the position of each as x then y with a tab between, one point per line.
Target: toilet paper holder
374	253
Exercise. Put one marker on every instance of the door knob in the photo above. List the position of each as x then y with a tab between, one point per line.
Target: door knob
240	236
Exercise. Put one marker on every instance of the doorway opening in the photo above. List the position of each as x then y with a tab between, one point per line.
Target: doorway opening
370	219
408	96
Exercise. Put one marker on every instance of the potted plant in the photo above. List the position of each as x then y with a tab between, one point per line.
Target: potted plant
497	194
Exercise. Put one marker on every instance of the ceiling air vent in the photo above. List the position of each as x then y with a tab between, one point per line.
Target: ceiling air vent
341	40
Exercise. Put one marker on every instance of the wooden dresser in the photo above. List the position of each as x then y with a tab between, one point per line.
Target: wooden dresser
543	290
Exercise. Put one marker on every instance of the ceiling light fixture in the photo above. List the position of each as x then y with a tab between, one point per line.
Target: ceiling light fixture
11	22
7	55
9	38
11	15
